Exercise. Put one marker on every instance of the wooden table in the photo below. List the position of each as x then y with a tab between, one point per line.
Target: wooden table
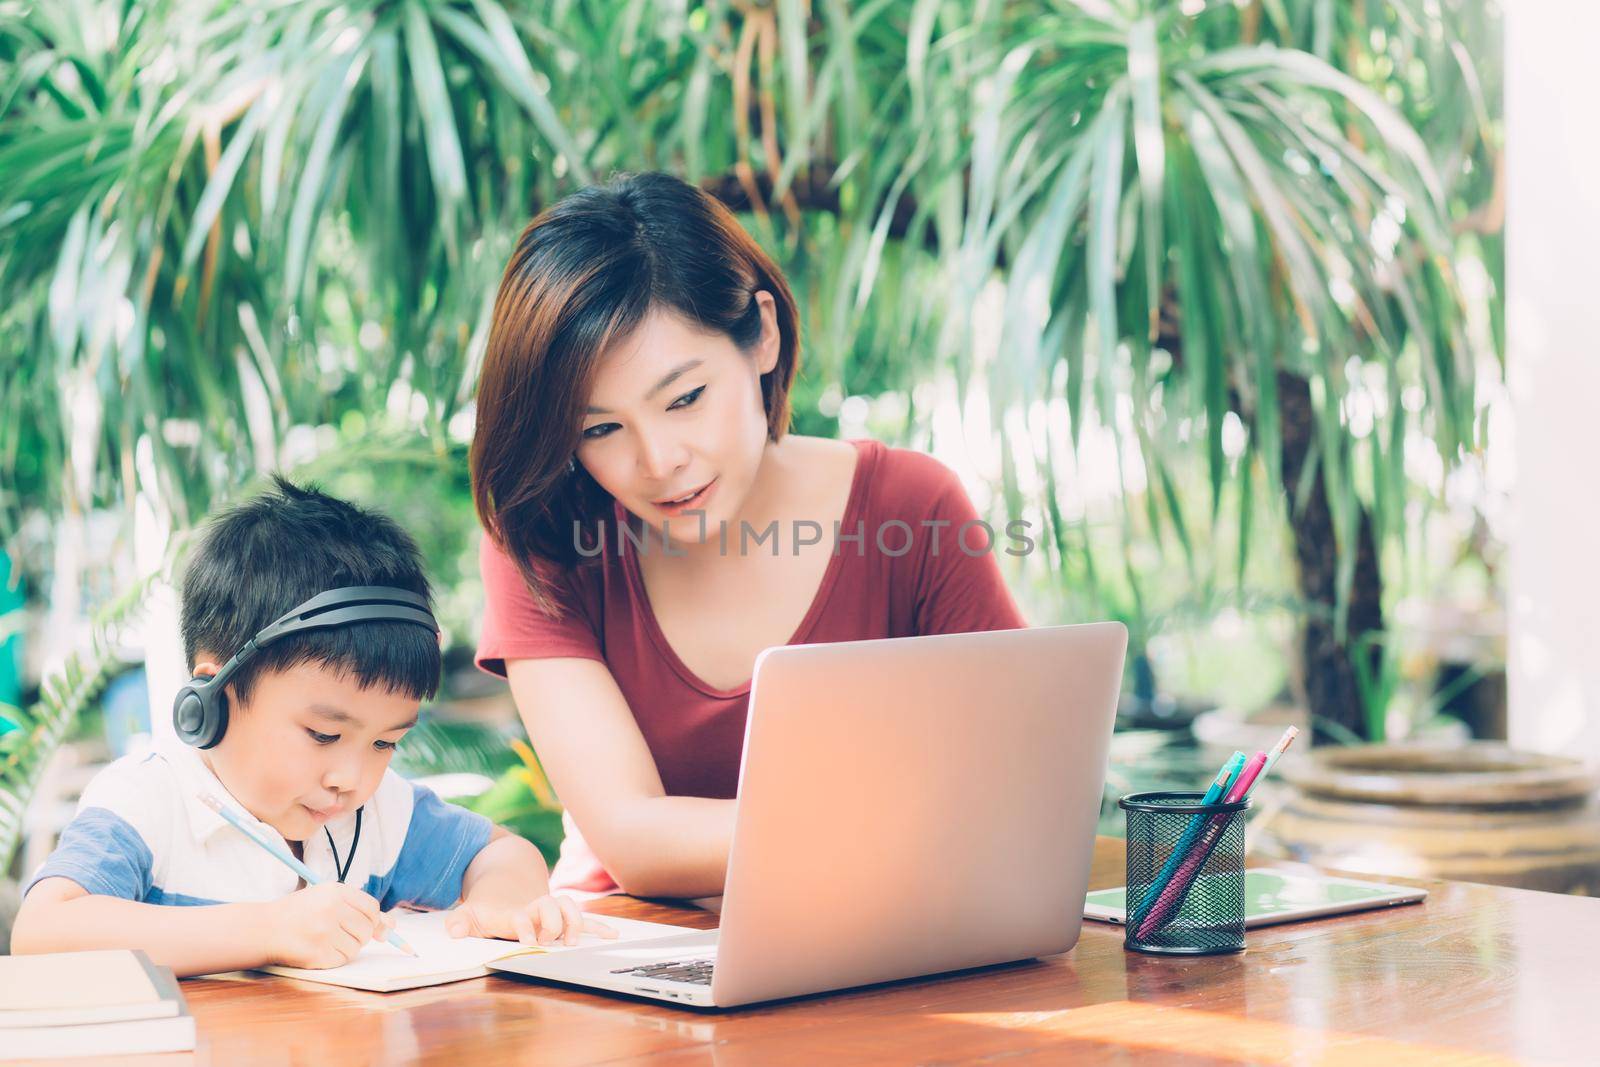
1476	974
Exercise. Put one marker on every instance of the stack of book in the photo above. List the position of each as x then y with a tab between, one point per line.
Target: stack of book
90	1004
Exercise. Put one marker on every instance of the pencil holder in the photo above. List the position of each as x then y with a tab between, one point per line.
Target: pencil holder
1185	878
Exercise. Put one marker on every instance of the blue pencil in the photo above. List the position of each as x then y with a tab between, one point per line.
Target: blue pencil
1186	842
289	861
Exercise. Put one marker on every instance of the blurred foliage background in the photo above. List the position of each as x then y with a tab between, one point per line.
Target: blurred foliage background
1209	293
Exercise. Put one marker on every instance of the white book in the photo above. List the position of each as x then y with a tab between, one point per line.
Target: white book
440	958
74	988
104	1003
175	1034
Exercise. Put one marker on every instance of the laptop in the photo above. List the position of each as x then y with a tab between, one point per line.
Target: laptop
907	807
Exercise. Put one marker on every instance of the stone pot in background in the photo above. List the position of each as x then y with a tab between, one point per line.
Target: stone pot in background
1479	812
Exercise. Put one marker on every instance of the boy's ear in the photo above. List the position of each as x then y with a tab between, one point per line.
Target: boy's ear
205	665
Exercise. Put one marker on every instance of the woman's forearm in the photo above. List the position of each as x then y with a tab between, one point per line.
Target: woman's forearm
668	846
190	940
590	745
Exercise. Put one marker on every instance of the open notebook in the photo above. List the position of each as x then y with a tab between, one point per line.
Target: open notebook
441	958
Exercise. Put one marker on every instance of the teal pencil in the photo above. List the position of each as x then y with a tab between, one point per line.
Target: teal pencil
289	861
1196	824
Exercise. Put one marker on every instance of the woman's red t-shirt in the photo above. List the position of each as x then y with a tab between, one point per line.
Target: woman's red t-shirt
912	572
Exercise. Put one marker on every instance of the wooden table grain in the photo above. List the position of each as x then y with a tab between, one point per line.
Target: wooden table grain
1476	974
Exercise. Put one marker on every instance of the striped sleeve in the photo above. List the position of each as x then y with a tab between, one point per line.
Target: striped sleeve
441	841
103	853
124	819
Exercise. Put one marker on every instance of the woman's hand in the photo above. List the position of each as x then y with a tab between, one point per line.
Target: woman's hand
542	921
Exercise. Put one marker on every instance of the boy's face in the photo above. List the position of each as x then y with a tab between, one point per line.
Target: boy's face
311	746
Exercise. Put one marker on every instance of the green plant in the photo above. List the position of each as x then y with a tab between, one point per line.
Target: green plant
436	746
225	226
36	733
204	202
522	801
1212	229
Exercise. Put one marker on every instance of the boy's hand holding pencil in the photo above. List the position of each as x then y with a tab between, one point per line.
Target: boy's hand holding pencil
330	910
324	925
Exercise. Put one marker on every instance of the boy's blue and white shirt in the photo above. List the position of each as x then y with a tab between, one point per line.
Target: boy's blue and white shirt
142	833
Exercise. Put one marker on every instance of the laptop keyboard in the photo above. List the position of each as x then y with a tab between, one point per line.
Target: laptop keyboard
694	972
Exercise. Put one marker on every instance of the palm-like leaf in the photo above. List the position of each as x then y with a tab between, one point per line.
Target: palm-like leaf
220	221
63	698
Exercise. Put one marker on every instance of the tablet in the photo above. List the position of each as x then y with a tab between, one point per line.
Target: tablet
1274	896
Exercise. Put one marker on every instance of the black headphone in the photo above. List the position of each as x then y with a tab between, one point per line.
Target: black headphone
200	710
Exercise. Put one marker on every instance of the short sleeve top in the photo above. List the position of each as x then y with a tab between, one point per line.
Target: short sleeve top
910	557
142	833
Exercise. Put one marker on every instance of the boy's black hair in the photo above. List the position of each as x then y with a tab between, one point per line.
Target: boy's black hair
263	557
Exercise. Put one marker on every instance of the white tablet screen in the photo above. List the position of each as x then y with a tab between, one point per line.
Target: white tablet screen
1272	894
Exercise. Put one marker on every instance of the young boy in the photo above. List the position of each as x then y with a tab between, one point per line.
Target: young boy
311	721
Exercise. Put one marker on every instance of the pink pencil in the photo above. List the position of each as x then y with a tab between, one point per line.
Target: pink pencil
1171	898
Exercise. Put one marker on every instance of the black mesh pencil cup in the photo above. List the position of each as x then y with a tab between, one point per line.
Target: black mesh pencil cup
1185	874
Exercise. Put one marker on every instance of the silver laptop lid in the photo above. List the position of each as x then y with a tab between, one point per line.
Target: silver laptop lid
915	805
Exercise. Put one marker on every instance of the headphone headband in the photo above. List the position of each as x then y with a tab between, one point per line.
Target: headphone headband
200	712
351	604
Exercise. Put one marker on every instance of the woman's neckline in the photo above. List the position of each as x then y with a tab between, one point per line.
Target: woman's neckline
867	452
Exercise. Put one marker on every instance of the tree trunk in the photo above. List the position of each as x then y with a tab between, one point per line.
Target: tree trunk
1330	666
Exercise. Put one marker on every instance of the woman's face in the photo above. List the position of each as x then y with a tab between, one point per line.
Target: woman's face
675	423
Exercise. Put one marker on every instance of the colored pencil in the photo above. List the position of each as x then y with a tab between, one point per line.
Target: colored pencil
288	860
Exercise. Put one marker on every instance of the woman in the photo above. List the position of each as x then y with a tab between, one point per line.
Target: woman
651	527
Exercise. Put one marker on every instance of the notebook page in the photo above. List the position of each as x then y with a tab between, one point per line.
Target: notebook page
438	955
441	957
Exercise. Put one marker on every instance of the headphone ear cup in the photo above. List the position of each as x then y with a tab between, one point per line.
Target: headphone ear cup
200	713
188	714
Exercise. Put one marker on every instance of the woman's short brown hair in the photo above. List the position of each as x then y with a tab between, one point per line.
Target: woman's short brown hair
584	275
